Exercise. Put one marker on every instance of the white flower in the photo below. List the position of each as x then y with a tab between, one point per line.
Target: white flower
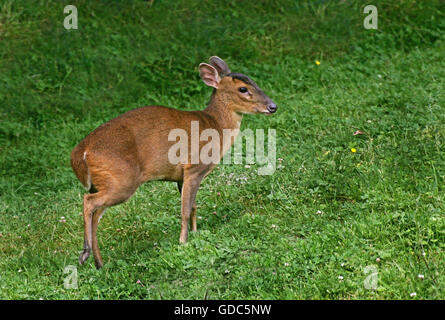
413	294
421	276
340	277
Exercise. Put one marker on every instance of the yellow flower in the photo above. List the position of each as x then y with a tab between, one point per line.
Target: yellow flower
353	150
317	62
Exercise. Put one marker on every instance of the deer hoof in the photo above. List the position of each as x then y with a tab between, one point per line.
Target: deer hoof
84	256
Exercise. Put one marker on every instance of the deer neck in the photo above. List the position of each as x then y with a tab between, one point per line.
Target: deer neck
227	121
222	112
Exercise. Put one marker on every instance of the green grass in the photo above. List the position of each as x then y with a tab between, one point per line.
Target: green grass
325	213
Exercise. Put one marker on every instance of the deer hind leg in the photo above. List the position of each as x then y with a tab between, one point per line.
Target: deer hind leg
95	246
94	207
91	203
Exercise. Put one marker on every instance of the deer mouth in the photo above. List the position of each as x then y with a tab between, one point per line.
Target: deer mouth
264	111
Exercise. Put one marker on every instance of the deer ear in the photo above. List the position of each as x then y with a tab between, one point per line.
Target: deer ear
209	75
220	65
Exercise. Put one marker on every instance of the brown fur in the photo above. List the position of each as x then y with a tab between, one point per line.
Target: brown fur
132	149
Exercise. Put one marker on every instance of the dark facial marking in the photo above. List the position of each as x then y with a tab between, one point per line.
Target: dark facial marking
247	80
244	78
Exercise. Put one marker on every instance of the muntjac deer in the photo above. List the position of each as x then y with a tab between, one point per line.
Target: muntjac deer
121	154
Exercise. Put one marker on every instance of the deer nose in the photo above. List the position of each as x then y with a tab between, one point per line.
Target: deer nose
272	107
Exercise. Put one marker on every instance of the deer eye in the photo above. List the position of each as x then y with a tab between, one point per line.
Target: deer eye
243	90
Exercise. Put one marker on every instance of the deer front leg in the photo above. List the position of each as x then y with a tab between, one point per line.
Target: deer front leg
193	217
188	208
193	212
